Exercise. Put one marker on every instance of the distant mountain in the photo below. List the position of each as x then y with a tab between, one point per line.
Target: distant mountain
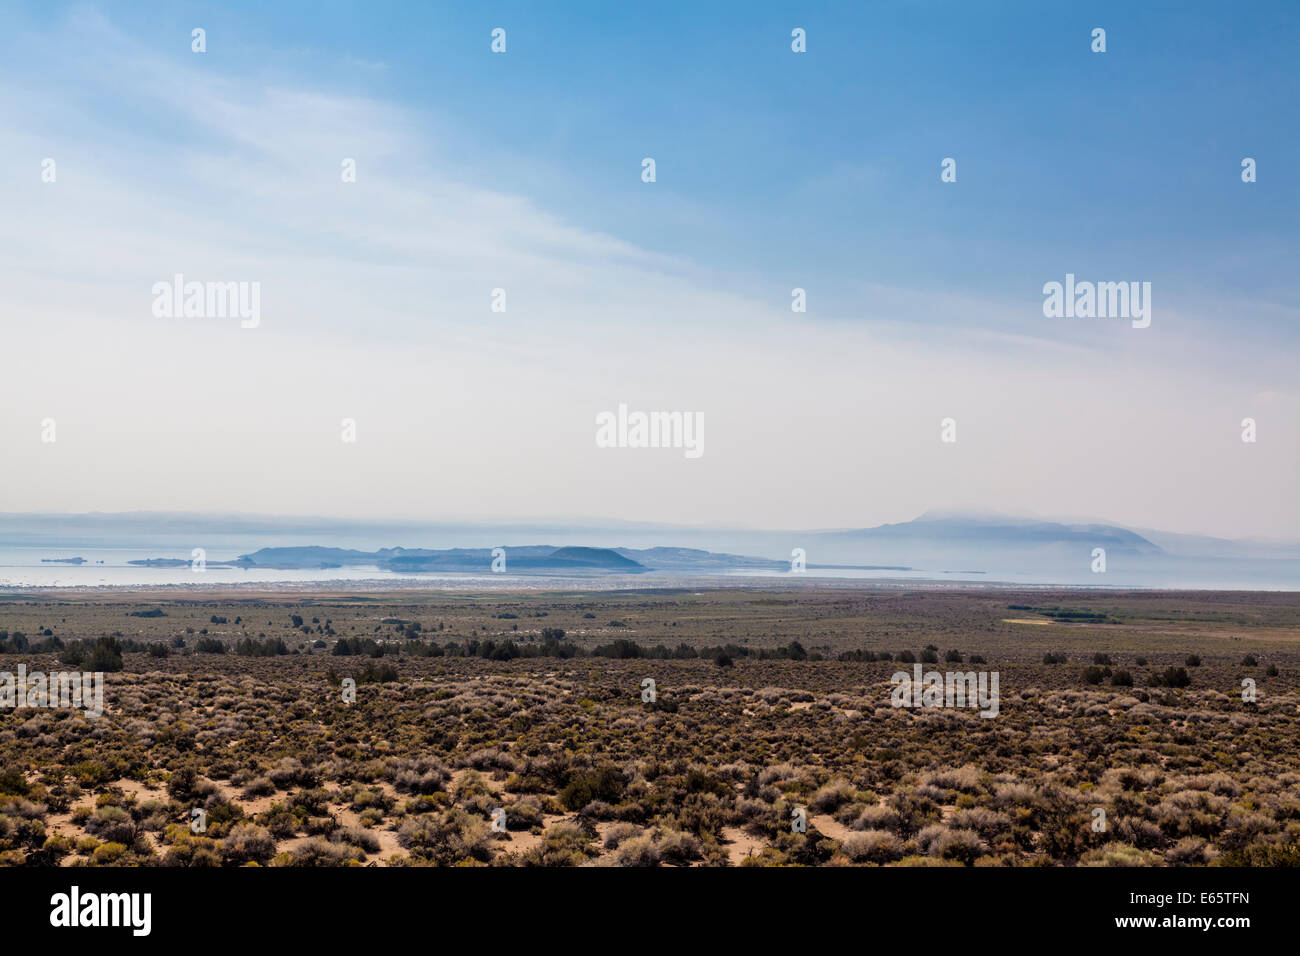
533	558
1001	532
660	545
697	559
606	559
937	545
527	559
1204	546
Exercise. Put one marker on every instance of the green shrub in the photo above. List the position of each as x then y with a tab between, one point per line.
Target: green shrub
1172	677
604	783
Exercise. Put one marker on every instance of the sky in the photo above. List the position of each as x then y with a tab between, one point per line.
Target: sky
774	170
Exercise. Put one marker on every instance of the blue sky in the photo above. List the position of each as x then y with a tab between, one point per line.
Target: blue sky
775	170
825	164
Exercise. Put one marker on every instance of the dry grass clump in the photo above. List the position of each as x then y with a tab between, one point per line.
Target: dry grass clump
451	837
248	843
877	817
637	851
423	775
873	846
1119	854
564	844
362	839
831	796
619	834
320	852
961	845
677	847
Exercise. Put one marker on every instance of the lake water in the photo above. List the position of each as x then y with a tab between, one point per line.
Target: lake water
21	566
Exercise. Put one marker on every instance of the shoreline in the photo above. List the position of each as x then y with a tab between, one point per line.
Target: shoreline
371	588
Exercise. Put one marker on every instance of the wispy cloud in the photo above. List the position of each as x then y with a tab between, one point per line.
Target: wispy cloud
376	306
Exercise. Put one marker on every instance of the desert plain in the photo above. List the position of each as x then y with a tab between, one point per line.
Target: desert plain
720	726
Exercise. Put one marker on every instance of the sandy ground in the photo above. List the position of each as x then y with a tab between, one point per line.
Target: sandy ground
740	844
